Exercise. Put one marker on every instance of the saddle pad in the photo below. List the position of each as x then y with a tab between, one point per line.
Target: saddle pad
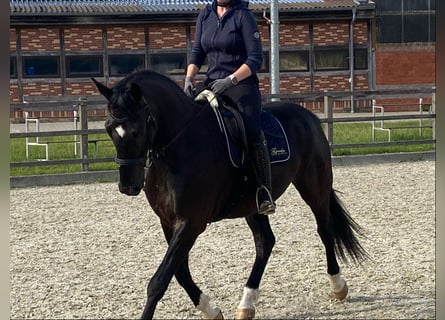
276	138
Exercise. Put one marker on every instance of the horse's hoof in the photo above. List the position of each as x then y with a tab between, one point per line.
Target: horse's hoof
340	295
242	314
219	316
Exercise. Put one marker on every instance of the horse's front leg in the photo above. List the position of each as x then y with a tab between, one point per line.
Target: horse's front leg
184	277
182	239
199	299
264	242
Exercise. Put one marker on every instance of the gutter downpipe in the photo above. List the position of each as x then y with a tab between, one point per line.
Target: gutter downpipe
351	58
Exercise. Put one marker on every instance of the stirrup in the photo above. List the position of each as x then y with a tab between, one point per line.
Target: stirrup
267	206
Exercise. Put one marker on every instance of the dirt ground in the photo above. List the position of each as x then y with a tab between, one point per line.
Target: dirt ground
87	252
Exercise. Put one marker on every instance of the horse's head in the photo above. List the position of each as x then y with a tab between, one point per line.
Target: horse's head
127	127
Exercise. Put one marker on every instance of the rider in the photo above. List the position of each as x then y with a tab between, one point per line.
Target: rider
227	34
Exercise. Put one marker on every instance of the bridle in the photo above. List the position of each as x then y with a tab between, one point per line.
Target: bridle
140	161
150	153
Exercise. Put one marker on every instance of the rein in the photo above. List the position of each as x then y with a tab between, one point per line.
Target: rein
151	154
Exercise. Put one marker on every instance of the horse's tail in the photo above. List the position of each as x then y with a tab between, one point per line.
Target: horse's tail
344	229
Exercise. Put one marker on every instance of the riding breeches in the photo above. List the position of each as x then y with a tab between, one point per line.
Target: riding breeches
247	98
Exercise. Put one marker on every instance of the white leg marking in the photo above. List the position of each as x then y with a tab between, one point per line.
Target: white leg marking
250	296
120	131
204	306
337	282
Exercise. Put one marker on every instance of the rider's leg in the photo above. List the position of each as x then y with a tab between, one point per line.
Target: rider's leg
247	97
261	166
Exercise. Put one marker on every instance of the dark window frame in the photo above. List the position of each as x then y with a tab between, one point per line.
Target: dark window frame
163	68
360	63
331	50
401	21
304	52
358	51
77	74
125	55
26	70
13	67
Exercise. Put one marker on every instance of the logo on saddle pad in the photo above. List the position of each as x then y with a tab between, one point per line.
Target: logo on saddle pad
232	127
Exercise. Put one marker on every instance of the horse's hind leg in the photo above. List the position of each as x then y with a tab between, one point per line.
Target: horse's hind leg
318	200
339	288
264	242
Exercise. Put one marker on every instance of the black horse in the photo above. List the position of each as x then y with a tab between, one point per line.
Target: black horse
190	181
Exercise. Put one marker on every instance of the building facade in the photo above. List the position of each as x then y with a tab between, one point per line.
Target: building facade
56	46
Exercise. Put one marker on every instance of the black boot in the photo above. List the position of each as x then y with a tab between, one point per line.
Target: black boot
261	165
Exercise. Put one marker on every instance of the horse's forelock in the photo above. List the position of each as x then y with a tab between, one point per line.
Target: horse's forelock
119	105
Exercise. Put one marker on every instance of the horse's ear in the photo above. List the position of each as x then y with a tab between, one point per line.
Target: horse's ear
104	90
135	91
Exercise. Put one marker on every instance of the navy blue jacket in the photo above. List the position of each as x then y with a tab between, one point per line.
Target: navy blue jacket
227	42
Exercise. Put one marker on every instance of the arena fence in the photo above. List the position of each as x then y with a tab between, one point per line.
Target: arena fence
82	109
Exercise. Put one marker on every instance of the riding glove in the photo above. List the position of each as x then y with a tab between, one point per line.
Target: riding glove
189	87
221	85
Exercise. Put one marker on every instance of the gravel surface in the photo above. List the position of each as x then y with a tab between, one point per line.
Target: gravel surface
87	251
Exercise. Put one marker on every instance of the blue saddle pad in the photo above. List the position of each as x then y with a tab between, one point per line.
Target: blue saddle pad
276	138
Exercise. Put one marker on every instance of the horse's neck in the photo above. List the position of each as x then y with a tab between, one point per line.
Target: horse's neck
175	116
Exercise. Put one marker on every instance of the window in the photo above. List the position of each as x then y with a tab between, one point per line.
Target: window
406	21
84	66
204	67
12	67
35	67
360	58
120	65
172	63
338	58
265	65
331	59
294	61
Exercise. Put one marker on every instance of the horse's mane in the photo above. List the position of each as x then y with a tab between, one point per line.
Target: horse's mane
120	89
140	76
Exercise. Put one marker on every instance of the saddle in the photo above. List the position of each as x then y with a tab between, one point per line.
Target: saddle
232	127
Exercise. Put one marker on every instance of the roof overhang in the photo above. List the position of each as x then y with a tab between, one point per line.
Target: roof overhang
51	14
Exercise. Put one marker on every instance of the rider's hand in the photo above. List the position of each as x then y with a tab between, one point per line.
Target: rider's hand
221	85
189	87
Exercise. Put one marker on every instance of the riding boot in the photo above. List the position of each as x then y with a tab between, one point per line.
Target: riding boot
261	165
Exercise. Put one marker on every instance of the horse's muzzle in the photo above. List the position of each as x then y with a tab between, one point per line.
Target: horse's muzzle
131	179
130	190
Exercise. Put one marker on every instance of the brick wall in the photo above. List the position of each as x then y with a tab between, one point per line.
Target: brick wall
83	38
405	65
360	32
42	89
264	33
331	33
167	37
40	39
125	37
80	88
12	40
173	36
294	34
14	93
